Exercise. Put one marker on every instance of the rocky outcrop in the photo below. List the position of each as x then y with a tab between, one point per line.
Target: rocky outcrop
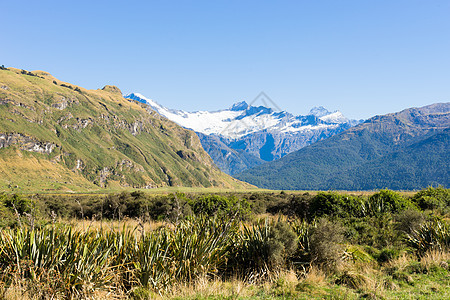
24	142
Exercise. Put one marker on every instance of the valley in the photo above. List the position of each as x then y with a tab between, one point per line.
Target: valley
244	136
106	195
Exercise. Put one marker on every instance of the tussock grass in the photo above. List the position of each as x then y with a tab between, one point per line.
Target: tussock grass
435	258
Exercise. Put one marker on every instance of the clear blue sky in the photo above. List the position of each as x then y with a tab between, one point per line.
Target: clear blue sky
363	57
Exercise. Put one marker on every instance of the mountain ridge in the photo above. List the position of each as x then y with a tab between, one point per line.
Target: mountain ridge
377	137
231	136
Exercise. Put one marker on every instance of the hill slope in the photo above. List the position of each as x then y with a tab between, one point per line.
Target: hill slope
391	151
57	136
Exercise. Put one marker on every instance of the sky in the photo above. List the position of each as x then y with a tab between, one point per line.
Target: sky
362	57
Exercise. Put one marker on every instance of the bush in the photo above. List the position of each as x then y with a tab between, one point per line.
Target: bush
432	235
409	220
18	203
7	217
387	201
282	242
219	205
326	243
337	205
432	198
263	247
387	254
300	206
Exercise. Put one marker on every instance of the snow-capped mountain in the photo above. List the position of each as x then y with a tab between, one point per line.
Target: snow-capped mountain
243	136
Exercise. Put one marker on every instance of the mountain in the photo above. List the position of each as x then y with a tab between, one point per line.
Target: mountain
404	150
58	136
244	136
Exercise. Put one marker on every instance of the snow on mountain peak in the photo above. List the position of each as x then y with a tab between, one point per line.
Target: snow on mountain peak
239	106
319	111
141	98
325	115
336	117
242	119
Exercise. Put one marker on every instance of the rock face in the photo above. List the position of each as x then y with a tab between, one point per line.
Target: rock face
404	150
25	143
245	136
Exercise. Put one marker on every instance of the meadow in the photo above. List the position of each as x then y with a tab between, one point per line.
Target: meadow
197	244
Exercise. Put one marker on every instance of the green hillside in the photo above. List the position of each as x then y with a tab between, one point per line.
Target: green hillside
58	136
405	150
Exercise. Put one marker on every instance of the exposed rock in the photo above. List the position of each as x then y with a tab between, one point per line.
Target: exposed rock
82	123
14	103
79	165
103	176
135	128
184	154
25	143
61	105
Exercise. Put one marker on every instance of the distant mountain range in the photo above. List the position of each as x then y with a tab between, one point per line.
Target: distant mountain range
55	136
244	136
405	150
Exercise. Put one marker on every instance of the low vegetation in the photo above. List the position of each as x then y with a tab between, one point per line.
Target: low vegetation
226	246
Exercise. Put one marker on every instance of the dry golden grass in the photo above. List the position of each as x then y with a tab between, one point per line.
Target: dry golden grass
435	258
27	173
315	276
21	292
400	263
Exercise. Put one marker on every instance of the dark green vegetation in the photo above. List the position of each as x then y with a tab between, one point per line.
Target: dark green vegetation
229	160
384	245
57	136
402	151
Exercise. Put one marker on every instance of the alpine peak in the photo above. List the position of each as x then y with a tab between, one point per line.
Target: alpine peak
239	106
319	111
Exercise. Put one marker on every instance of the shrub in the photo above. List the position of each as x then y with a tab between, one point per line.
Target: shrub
386	201
409	220
334	204
18	203
263	247
174	208
282	242
430	236
326	243
387	254
432	198
300	206
219	205
7	217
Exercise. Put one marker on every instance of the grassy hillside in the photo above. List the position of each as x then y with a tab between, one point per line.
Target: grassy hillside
359	157
57	136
